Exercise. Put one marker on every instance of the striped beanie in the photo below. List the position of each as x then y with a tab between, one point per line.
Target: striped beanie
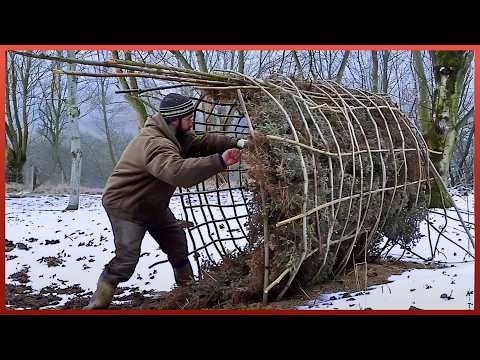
175	106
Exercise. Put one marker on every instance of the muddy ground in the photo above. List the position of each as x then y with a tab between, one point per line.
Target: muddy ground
22	296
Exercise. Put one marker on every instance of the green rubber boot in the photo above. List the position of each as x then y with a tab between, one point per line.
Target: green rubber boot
102	297
183	275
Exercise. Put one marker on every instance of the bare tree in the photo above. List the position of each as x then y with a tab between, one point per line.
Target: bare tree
343	66
313	64
374	71
385	58
132	98
102	100
53	114
182	61
424	98
298	65
463	169
201	60
22	76
202	64
439	126
241	61
76	150
360	71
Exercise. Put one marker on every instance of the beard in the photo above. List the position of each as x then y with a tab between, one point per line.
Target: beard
180	132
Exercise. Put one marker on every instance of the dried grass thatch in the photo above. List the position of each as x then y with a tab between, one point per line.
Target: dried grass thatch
331	172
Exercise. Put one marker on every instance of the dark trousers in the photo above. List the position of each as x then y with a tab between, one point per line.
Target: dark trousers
128	238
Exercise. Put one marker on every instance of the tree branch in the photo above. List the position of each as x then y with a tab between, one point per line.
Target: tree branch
181	59
465	118
130	65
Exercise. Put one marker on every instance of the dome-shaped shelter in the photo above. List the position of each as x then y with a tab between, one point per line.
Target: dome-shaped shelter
328	172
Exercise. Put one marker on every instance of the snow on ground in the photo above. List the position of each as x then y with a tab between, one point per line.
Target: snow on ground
449	288
83	240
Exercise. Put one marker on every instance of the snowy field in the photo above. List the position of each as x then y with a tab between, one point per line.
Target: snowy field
79	243
448	288
69	249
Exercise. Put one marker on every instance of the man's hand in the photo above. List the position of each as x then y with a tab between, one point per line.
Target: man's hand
231	156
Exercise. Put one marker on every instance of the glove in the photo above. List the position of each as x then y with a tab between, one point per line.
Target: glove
242	143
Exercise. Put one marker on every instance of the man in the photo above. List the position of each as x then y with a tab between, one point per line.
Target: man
164	155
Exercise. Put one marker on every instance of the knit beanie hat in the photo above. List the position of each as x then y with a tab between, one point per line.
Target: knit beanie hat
175	106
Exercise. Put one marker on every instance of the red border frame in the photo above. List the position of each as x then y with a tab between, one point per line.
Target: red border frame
5	48
2	174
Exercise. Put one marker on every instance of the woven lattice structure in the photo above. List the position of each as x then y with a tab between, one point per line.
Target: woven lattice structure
329	172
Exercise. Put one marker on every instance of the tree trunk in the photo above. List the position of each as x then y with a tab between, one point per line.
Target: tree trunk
466	152
424	113
58	162
202	64
132	98
374	71
259	70
74	114
343	65
17	117
385	56
440	132
15	165
181	59
103	100
241	61
298	66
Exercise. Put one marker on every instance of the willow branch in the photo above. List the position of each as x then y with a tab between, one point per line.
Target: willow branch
131	65
143	75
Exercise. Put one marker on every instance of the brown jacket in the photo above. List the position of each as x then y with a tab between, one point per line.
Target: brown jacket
155	163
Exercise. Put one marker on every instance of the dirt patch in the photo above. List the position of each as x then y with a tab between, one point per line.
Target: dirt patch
51	242
24	297
51	261
19	296
21	276
22	246
9	245
134	300
75	289
76	303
